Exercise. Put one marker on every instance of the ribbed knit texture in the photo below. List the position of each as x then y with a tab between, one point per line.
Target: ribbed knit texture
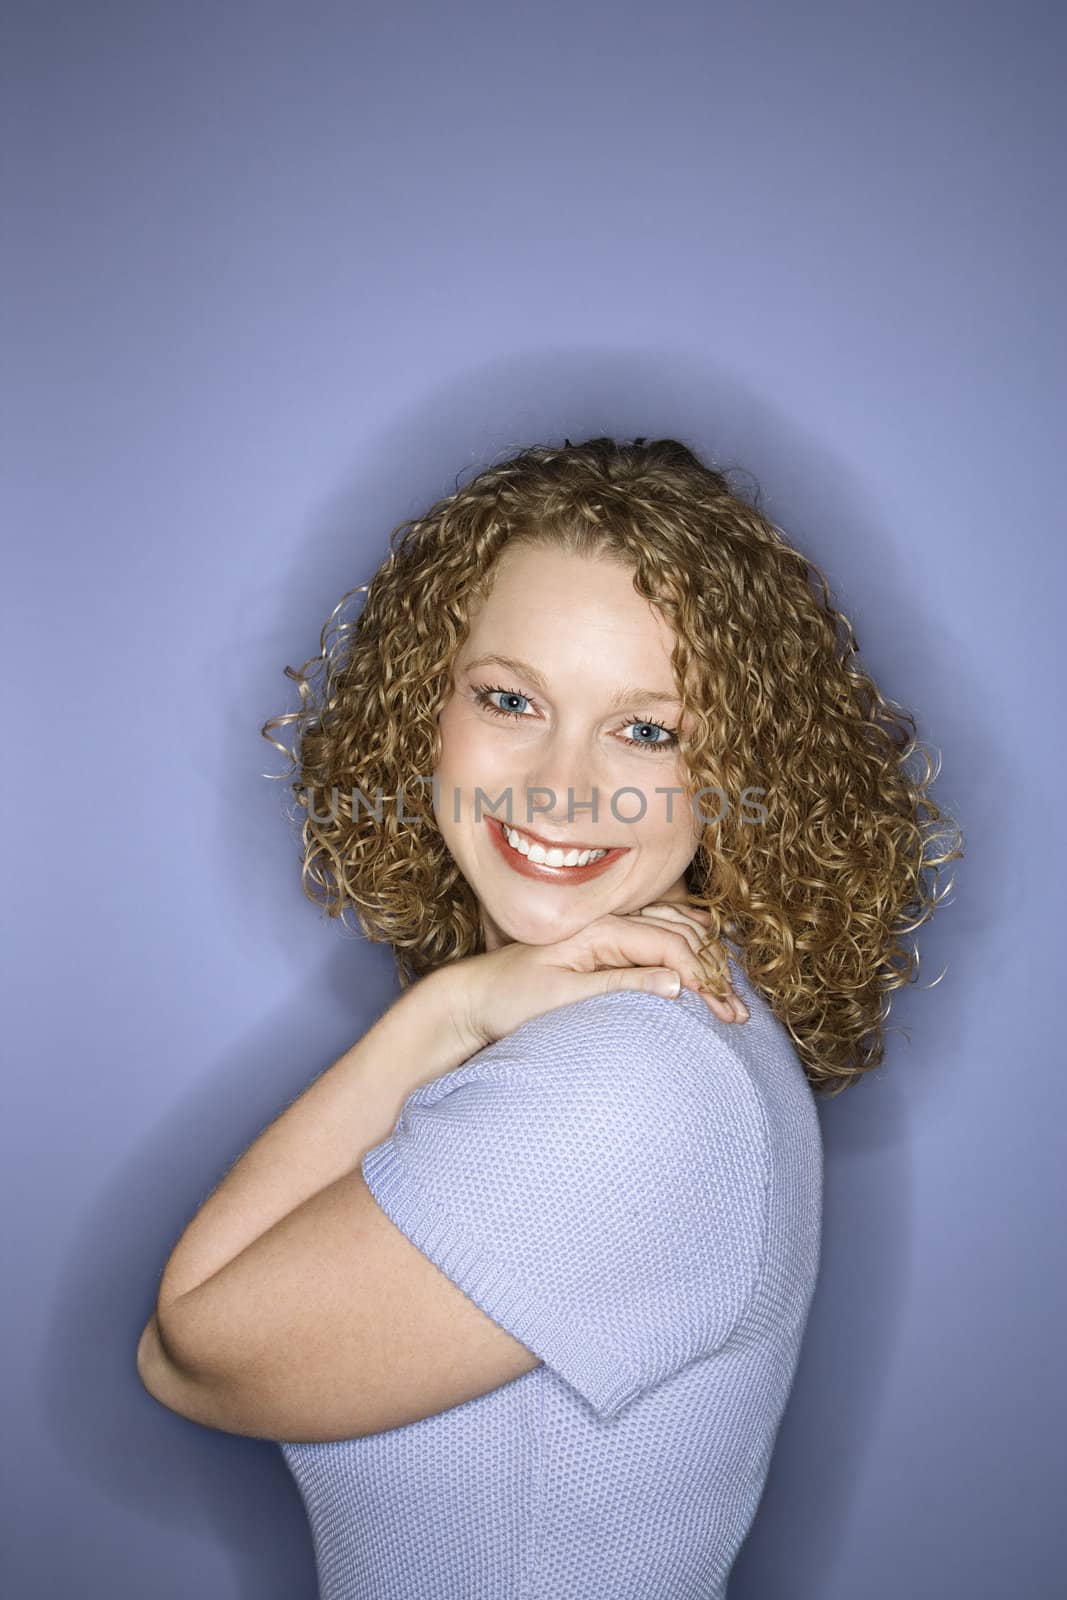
633	1189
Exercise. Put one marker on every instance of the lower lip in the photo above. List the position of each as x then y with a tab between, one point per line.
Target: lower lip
537	869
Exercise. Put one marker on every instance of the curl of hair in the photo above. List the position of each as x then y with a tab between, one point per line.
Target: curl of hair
820	898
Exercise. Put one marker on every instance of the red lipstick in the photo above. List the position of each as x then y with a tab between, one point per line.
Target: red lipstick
537	869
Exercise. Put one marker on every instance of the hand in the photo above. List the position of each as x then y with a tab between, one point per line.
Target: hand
657	949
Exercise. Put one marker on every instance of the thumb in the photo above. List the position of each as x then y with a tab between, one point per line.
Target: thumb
653	980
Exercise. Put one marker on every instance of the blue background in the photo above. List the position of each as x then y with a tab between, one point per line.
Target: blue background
275	274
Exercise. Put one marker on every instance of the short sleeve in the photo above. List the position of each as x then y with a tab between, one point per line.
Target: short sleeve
596	1182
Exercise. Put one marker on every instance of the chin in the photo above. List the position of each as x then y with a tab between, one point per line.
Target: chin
528	927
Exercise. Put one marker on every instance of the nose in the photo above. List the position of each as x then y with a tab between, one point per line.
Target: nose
564	786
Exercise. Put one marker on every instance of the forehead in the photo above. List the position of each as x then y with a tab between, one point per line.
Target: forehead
546	590
560	620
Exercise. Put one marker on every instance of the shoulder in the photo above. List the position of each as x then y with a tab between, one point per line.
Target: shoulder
627	1062
599	1178
631	1034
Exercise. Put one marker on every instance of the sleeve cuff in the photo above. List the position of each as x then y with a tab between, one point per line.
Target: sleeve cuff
601	1376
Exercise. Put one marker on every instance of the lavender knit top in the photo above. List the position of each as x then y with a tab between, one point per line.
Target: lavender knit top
633	1189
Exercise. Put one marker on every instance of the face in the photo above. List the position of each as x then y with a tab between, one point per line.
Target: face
563	695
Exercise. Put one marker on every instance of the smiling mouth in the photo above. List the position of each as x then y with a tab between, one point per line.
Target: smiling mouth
543	853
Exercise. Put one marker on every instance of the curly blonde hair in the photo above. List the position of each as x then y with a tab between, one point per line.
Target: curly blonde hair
818	900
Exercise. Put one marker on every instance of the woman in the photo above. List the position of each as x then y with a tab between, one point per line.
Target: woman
521	1281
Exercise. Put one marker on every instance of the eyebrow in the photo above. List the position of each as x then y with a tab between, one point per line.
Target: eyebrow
523	669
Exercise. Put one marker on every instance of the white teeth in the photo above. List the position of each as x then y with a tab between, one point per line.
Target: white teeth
554	857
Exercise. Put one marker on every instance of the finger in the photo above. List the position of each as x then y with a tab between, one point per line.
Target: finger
652	980
677	908
667	913
645	941
680	924
712	966
691	916
655	980
678	915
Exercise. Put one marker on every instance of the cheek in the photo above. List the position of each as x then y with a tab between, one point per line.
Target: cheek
658	836
451	726
466	750
668	813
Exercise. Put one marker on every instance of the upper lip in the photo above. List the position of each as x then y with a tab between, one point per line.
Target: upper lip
554	844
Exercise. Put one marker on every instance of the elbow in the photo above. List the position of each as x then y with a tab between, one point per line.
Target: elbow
159	1365
182	1331
181	1389
167	1340
162	1337
167	1380
152	1355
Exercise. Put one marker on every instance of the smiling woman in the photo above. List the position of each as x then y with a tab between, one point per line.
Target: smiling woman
577	762
519	1284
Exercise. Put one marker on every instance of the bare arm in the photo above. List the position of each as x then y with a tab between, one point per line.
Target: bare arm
435	1025
325	1133
292	1306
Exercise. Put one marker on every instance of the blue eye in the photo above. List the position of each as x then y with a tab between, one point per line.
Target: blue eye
654	744
484	692
482	696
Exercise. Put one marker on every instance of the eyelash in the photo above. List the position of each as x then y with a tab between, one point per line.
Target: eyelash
483	691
